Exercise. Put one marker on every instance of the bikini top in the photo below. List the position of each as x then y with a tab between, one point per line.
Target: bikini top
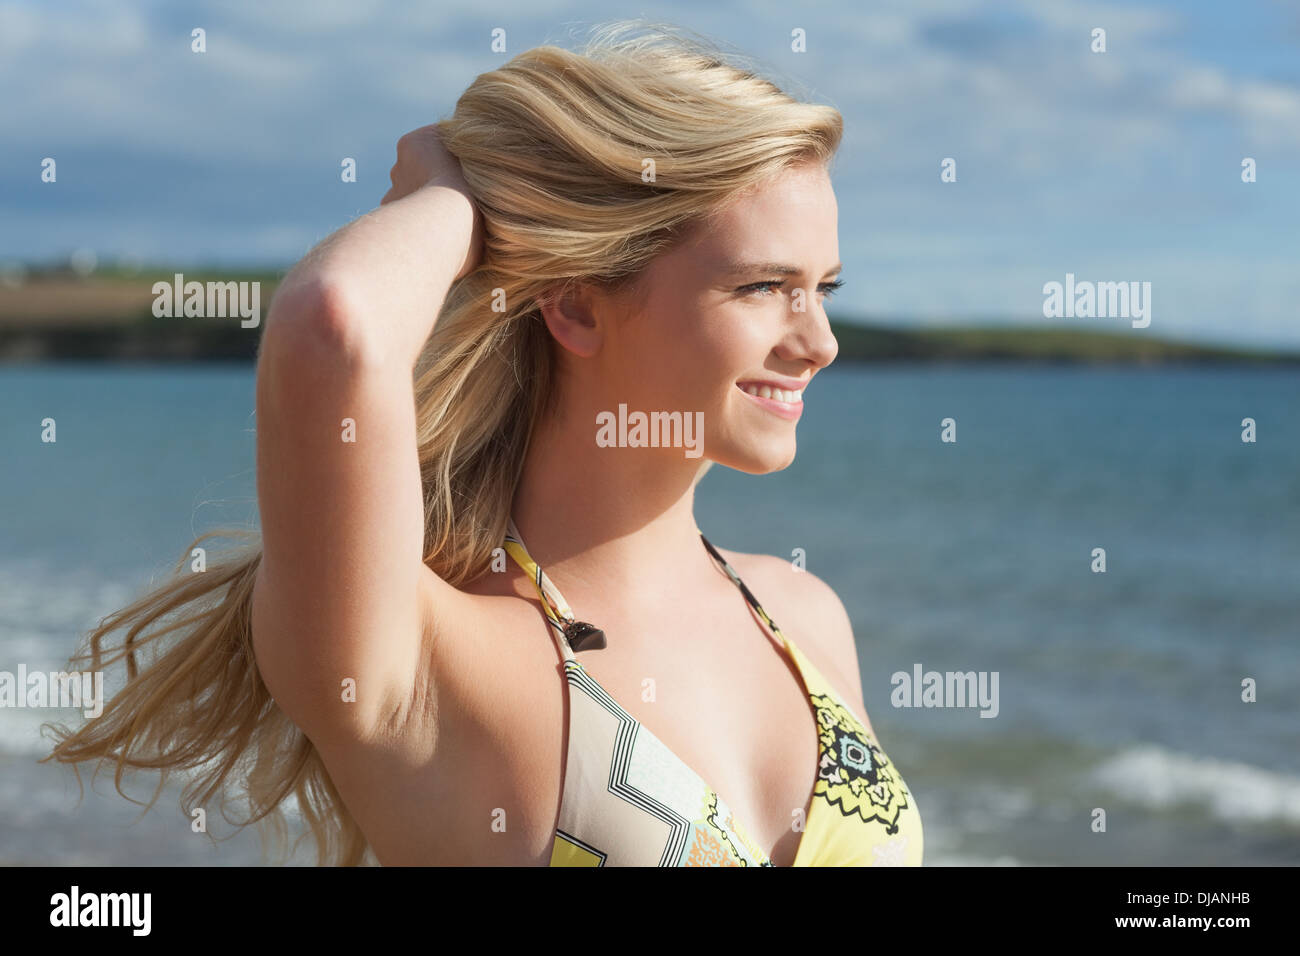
630	801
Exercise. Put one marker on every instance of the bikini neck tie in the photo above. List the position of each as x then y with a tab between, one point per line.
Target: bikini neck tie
579	635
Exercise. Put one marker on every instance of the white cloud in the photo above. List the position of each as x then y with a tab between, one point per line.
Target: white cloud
19	30
1273	111
1123	23
1044	135
1199	87
318	16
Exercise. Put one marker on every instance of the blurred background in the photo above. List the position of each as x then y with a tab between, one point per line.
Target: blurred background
1172	157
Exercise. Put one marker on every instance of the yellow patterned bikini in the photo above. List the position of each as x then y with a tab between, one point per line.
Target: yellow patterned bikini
630	801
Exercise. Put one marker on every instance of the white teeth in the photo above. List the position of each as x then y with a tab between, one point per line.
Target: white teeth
788	396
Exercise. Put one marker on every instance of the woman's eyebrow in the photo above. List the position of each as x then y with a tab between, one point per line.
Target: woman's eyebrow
771	268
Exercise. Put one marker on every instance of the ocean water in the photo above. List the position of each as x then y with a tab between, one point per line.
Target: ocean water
1118	691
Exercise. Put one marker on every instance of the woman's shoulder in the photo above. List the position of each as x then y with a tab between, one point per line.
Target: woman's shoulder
787	582
809	612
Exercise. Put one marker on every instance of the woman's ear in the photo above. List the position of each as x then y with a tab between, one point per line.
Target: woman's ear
575	319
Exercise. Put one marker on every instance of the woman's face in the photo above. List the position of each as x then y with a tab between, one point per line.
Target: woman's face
736	309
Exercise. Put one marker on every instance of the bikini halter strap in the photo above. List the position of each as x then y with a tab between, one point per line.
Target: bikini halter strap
575	635
578	635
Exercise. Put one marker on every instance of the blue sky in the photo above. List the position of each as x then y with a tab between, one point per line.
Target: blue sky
1115	166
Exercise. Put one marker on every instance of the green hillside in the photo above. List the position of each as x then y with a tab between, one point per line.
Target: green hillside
52	314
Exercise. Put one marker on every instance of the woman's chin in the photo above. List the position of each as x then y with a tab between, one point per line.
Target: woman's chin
759	459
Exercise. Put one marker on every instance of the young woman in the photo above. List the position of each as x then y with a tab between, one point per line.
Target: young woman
476	633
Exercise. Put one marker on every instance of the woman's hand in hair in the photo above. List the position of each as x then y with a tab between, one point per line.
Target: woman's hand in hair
422	160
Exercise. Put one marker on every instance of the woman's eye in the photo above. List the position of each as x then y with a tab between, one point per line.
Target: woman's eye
761	288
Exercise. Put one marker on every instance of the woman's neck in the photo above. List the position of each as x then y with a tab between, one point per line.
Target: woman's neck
608	517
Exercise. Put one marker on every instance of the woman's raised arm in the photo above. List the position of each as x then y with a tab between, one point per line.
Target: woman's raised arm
338	605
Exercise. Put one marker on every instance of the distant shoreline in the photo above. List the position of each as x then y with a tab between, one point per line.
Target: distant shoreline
858	344
54	318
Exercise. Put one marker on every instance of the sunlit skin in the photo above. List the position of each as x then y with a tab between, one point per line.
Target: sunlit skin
464	706
699	324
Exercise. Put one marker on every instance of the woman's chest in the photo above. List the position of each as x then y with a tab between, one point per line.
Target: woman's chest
721	728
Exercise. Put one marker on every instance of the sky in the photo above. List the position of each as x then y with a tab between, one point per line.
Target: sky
1122	166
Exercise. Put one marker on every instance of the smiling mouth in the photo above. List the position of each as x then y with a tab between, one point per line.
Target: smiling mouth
786	403
786	396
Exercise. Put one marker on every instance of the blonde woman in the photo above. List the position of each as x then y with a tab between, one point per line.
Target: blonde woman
483	625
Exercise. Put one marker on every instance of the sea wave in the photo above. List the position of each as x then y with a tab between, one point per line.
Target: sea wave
20	729
1154	777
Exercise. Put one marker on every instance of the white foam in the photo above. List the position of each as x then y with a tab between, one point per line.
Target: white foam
1159	778
45	614
20	728
952	859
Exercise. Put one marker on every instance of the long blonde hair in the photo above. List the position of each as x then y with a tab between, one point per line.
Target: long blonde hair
585	165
